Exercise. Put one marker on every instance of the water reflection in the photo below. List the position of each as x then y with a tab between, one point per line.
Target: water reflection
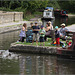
66	67
31	64
45	65
7	38
59	20
38	65
9	63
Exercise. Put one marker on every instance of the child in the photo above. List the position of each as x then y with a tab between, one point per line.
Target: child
31	25
57	36
22	33
42	35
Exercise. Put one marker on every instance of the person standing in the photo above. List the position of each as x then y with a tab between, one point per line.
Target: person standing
57	36
31	25
42	33
35	33
22	33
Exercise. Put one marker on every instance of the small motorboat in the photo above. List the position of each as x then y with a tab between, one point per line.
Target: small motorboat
48	14
69	51
61	13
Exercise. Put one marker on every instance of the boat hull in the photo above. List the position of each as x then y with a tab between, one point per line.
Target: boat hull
52	18
66	52
60	13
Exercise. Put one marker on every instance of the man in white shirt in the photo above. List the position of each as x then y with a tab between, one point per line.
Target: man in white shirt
63	30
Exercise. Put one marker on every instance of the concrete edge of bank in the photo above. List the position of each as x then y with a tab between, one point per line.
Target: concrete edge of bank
14	26
32	49
9	29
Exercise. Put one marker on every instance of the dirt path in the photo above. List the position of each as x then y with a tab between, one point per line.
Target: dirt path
71	28
7	27
71	15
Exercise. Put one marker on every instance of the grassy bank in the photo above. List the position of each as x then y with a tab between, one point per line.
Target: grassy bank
30	16
27	15
47	43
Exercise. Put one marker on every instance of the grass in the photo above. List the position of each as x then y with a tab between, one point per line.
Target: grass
11	25
29	16
47	43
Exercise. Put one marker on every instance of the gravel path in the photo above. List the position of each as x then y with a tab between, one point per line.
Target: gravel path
13	23
7	27
71	28
20	22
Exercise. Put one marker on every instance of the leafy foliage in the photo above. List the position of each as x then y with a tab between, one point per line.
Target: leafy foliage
31	6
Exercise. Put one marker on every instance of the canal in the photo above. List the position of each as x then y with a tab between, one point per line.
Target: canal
33	64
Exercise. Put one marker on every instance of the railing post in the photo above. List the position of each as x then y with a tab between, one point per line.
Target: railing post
73	41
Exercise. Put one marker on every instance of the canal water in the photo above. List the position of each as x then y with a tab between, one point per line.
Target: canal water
58	21
32	64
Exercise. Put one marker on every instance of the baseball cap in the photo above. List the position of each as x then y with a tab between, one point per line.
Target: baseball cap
42	26
63	24
56	27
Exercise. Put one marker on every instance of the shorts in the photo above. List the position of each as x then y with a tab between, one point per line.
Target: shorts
57	41
22	39
41	39
36	36
62	35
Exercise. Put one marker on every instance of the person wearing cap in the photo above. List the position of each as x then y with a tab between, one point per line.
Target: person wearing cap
35	33
42	33
63	30
57	36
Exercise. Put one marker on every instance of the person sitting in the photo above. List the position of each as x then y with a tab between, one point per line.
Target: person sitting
52	31
63	31
47	29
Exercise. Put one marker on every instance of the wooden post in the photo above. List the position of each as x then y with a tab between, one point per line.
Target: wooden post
52	35
73	41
